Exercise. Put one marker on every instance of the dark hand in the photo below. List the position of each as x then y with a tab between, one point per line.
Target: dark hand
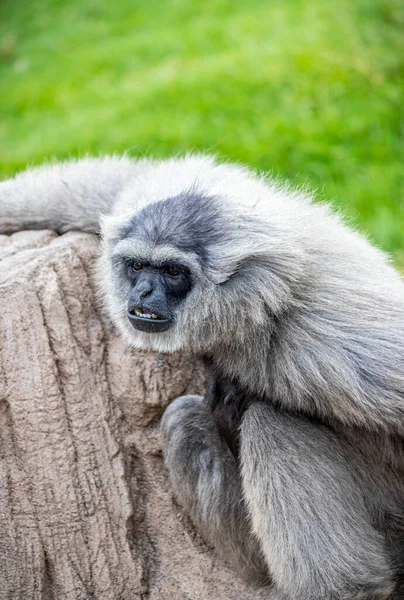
227	405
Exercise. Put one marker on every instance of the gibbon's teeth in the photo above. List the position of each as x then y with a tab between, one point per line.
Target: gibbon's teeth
139	313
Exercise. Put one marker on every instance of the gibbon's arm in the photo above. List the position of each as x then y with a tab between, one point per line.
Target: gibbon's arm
64	196
206	480
300	482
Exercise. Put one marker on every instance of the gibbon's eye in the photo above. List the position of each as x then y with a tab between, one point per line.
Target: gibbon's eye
172	271
136	266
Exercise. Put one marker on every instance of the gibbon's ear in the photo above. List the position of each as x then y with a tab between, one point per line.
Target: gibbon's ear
253	278
273	275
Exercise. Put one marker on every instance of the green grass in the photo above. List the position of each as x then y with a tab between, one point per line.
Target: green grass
310	89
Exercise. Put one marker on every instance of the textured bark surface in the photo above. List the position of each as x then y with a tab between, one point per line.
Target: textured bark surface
85	506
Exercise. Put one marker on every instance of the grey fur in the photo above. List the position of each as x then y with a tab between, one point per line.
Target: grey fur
302	314
63	196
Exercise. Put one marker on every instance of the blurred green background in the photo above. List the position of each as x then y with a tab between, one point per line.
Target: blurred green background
312	90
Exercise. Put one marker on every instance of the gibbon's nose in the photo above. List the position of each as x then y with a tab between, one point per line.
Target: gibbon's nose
144	288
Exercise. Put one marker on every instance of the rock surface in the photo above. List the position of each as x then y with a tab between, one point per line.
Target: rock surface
85	506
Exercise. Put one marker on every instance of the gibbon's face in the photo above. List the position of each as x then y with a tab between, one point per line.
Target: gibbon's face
160	273
156	291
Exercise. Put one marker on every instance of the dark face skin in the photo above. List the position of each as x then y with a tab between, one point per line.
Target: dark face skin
156	292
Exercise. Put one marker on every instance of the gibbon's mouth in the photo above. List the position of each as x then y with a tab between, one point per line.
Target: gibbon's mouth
147	320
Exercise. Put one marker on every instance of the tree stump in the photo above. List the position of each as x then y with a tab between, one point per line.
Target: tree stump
86	510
